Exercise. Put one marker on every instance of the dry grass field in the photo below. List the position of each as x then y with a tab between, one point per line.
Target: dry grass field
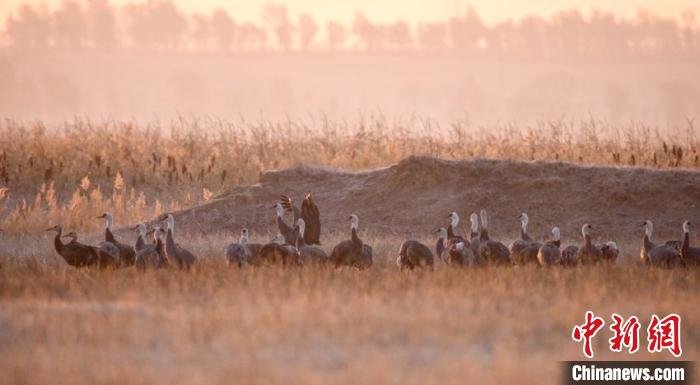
315	325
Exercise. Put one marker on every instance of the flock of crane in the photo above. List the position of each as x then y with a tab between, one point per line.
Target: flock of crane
299	244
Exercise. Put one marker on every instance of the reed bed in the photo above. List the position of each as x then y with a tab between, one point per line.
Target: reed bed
68	172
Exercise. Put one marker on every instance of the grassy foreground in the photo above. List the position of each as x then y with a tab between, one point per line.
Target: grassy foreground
316	326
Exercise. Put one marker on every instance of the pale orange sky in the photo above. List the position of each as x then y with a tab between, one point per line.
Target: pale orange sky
412	10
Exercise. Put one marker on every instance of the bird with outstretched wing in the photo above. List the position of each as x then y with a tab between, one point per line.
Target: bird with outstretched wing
309	213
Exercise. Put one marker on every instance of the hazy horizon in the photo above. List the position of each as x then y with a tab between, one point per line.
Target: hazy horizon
140	60
412	10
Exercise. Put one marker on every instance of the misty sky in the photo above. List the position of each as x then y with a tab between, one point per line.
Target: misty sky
411	10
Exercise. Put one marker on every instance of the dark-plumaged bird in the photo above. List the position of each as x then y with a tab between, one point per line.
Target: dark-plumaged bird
152	255
242	252
283	228
568	256
458	249
491	251
413	254
609	252
352	252
657	255
525	249
107	253
440	245
587	253
311	215
549	253
690	255
183	258
74	253
126	252
277	252
141	239
309	254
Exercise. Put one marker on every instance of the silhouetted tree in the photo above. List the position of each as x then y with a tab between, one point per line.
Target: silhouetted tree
223	29
69	25
336	35
567	33
307	31
250	37
277	16
431	36
399	35
156	24
500	38
690	32
466	31
200	32
365	31
30	28
531	31
101	24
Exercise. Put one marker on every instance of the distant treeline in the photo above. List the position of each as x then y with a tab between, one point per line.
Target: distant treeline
160	25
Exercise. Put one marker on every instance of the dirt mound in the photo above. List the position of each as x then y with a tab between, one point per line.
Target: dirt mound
418	193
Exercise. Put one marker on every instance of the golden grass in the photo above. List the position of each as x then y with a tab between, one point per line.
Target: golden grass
78	170
315	326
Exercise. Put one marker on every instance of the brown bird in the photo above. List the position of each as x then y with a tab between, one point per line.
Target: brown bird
107	253
455	244
690	255
525	249
352	252
153	254
609	252
549	254
310	254
141	239
183	258
413	254
74	253
440	246
283	228
568	255
277	252
452	236
474	239
588	253
311	215
242	252
126	252
491	251
657	255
